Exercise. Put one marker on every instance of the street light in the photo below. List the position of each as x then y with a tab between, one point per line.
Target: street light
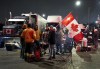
43	15
78	3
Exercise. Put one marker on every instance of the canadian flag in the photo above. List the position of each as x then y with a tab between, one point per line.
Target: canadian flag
72	25
8	31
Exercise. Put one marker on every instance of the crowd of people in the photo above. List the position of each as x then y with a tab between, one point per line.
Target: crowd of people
51	38
92	36
56	40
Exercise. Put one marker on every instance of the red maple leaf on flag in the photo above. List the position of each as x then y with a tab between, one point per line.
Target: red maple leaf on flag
8	31
70	22
74	27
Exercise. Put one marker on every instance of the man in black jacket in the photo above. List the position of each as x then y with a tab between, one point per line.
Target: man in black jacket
51	40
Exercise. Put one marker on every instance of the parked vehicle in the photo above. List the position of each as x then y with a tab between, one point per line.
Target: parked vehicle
13	26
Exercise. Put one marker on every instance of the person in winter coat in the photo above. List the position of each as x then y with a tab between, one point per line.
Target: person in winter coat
96	37
22	40
37	39
59	41
29	35
51	40
69	42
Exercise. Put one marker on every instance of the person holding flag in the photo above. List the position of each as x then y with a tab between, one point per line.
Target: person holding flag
72	25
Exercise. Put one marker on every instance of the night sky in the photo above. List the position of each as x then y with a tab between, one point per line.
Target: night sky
88	8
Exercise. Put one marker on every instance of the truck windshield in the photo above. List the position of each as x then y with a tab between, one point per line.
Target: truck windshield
15	22
54	24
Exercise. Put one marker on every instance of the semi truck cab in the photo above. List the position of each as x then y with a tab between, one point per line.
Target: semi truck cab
13	27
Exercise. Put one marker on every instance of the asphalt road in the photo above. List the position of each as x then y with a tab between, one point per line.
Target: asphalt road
12	60
79	60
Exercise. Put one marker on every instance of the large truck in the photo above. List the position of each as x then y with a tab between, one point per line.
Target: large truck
36	19
12	27
54	20
15	24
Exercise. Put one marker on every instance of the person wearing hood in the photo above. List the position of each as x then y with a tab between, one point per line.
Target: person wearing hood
51	40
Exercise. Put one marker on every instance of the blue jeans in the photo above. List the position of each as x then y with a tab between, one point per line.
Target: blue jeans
58	48
52	50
